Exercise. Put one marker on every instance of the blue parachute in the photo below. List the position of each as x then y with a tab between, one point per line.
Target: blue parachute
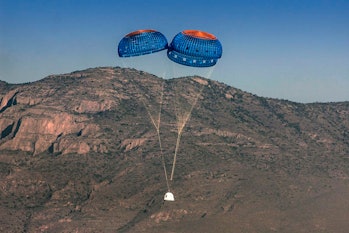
142	42
195	48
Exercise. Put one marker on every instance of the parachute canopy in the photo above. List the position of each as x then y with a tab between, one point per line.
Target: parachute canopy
142	42
195	48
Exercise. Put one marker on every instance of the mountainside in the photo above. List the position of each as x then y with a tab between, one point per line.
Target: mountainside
79	152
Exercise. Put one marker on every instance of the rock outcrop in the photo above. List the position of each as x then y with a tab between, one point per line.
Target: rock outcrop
54	115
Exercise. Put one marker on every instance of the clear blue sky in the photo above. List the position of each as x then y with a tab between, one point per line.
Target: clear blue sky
288	49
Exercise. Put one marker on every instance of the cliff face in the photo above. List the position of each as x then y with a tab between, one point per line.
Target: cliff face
55	114
78	148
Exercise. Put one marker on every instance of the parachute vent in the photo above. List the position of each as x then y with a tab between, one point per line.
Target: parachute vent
199	34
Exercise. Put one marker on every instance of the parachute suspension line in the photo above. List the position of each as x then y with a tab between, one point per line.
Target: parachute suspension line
181	122
159	138
175	154
163	163
157	127
210	71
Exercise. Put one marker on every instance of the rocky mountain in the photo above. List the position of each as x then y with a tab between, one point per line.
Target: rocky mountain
80	152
